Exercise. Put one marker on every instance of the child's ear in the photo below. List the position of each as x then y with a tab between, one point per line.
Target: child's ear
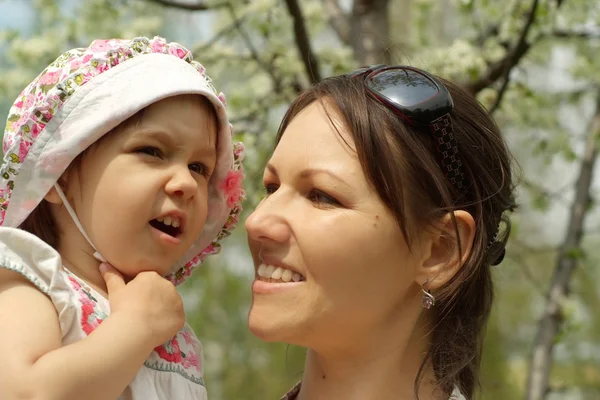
447	253
53	197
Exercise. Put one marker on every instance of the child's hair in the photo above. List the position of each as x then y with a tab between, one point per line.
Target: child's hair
87	93
400	163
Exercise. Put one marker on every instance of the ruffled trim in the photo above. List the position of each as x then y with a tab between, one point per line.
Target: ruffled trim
235	198
22	252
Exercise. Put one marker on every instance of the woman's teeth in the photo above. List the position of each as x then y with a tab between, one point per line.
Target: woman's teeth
171	221
271	273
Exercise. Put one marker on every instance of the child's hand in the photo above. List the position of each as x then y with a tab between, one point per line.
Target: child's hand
148	298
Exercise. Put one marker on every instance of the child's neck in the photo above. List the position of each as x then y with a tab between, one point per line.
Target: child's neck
91	279
78	257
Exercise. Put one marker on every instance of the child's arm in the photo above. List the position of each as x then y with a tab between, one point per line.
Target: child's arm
34	364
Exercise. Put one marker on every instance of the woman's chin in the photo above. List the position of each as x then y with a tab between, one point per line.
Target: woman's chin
260	328
268	328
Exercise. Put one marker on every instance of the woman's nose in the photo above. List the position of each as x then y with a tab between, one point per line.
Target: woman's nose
267	223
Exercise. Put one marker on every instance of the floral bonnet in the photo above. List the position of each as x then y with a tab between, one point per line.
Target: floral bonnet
84	94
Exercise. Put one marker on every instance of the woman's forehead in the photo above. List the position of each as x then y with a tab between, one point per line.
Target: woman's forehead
320	131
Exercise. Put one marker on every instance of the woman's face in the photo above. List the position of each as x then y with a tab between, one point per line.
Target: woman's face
351	271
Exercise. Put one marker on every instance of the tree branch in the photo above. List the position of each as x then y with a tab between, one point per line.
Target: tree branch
370	32
491	30
567	260
235	25
501	92
338	19
533	249
303	44
494	29
259	108
533	281
190	7
512	57
556	195
254	54
581	34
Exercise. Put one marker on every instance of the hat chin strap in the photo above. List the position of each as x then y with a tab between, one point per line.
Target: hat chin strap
71	212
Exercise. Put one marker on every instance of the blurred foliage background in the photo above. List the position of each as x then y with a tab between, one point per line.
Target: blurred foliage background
535	64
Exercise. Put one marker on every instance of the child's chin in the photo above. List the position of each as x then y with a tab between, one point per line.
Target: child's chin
161	267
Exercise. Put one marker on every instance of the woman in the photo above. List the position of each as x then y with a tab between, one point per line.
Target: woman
373	246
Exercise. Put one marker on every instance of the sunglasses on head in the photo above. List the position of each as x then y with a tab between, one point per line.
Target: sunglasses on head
420	100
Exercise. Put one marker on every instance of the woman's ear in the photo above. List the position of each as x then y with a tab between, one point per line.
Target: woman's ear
445	251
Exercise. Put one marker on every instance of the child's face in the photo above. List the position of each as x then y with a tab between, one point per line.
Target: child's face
155	170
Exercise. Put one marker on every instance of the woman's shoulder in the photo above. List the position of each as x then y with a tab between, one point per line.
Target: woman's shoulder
293	393
457	395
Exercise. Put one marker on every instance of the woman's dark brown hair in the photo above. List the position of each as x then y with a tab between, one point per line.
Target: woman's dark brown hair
399	161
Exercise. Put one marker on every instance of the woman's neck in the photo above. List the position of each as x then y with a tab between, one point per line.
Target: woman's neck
381	368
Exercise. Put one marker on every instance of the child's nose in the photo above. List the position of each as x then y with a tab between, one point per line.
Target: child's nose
182	183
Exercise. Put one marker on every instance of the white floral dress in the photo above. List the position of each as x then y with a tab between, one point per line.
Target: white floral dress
173	370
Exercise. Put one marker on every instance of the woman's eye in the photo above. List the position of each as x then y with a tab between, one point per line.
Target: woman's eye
149	150
322	198
200	168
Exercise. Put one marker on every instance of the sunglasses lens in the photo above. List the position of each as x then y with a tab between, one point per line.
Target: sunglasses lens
404	87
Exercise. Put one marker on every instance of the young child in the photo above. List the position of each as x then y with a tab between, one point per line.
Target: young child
120	153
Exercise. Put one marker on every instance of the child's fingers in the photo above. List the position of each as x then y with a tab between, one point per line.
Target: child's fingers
113	278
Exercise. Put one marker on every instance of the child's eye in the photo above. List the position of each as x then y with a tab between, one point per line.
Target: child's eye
149	150
200	168
270	188
323	199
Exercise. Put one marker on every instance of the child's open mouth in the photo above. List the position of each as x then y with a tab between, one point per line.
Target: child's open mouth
169	225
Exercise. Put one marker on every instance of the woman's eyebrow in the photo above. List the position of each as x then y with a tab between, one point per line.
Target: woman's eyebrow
308	172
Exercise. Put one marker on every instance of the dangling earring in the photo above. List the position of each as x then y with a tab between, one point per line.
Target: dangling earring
428	300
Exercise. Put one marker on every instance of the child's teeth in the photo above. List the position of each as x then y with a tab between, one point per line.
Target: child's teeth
296	277
286	276
172	221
